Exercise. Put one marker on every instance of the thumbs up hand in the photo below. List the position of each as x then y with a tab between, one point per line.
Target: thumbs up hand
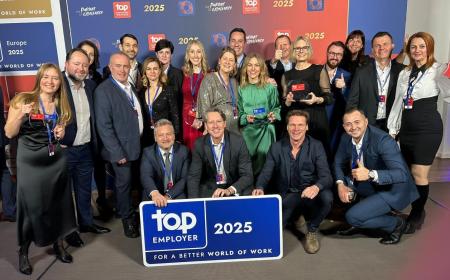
360	173
340	82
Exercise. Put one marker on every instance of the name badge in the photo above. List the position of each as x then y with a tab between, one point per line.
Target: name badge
259	111
382	98
39	117
297	87
220	180
169	185
409	103
51	150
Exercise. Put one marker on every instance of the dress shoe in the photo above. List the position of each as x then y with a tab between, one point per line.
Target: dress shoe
312	244
395	236
61	253
74	240
24	263
414	224
94	229
130	228
348	232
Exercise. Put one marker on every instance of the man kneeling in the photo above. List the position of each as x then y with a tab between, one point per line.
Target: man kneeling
303	178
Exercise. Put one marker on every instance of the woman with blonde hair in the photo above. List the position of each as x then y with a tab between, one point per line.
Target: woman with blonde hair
194	70
259	108
45	210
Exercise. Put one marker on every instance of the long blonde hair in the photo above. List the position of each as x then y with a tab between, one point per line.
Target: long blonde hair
262	74
60	96
187	67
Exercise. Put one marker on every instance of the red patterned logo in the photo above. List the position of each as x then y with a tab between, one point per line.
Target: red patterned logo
122	9
250	7
153	39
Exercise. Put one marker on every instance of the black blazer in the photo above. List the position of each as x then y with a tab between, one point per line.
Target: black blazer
3	139
364	89
312	163
152	172
116	122
164	107
236	162
71	128
380	152
175	80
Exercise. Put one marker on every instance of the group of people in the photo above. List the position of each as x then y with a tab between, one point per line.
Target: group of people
250	127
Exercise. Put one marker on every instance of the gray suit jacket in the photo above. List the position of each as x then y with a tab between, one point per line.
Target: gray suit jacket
117	123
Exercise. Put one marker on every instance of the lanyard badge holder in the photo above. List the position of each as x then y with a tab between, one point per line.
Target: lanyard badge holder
220	178
150	106
49	119
230	91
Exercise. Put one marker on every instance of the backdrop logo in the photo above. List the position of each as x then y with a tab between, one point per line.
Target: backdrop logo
219	39
314	5
122	9
1	52
153	39
250	7
89	11
186	7
282	32
217	7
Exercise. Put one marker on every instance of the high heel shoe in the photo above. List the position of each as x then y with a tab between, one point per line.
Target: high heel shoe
61	253
24	262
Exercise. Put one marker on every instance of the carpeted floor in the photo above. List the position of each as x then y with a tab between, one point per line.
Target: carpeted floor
424	255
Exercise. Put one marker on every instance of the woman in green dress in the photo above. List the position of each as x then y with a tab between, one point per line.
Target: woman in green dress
258	109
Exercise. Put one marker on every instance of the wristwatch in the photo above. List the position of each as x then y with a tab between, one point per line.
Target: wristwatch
371	175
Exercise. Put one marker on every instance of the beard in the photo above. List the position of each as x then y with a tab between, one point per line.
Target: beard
76	79
331	66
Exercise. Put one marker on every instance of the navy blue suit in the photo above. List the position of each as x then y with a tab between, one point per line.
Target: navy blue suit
313	166
118	128
152	172
80	158
336	111
395	188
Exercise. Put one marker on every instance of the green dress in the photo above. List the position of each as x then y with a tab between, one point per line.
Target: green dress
258	101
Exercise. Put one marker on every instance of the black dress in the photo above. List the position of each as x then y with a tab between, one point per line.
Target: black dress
45	210
318	121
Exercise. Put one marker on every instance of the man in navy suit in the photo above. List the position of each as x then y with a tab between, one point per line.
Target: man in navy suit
221	165
302	177
164	166
369	163
340	87
120	124
80	139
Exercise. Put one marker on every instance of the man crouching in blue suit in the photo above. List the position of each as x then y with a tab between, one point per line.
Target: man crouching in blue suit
368	163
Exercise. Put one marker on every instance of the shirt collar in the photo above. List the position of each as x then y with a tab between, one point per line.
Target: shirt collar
358	146
221	141
122	86
163	151
386	69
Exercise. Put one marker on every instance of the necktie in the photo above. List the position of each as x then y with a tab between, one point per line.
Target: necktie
355	157
167	166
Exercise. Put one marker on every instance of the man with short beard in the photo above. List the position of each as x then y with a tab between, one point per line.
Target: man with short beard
340	87
81	139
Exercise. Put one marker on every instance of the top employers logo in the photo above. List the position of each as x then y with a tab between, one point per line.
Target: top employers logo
177	226
122	9
186	7
251	7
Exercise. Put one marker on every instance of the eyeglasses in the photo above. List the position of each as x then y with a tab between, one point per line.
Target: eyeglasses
335	54
300	49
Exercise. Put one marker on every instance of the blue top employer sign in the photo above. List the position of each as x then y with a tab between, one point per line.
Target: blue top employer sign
212	230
